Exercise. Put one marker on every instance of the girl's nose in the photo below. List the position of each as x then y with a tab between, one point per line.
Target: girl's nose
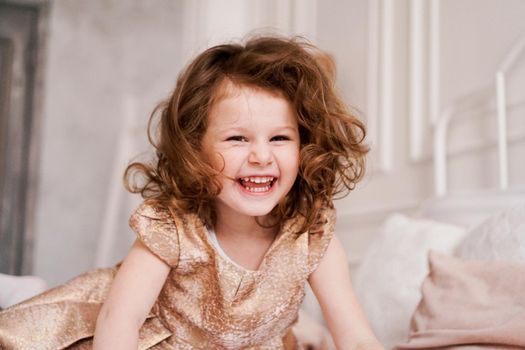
260	155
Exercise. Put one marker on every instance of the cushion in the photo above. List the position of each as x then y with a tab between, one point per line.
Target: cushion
470	304
14	289
500	237
387	282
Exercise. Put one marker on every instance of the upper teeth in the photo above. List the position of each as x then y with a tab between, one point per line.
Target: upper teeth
258	180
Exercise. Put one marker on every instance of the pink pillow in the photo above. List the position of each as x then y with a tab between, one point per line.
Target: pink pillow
470	304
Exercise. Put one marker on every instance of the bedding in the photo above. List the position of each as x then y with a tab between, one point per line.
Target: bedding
479	304
387	281
14	289
500	237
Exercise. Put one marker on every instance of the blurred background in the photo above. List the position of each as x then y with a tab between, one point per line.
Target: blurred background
79	79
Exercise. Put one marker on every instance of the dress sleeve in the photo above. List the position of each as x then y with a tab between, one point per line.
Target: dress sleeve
155	227
319	237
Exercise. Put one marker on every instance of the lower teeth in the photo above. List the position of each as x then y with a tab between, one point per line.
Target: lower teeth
258	189
247	186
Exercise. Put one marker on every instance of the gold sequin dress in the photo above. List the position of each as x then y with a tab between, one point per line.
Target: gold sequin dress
207	301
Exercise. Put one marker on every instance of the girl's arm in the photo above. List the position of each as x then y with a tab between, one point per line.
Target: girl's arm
331	285
136	287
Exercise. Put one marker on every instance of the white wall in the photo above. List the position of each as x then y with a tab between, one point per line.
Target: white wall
109	62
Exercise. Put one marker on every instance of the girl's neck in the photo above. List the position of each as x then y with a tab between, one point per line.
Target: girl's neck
247	230
243	226
244	240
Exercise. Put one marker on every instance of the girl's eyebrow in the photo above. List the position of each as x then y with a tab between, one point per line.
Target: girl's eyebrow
293	128
227	128
282	128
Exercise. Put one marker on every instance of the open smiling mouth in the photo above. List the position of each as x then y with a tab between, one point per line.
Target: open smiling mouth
257	184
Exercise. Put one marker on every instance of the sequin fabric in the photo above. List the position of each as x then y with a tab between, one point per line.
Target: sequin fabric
207	302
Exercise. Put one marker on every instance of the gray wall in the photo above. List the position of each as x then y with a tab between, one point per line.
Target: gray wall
108	64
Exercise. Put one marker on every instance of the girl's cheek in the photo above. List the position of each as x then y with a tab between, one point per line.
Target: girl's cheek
214	158
219	161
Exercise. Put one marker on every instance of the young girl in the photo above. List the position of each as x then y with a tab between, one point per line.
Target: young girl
251	148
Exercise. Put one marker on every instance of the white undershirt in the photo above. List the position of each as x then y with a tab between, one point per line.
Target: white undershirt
215	242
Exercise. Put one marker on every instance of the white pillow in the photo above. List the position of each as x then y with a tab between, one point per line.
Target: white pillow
387	282
14	289
500	237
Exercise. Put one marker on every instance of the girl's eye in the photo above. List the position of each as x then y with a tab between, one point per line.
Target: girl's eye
237	138
280	138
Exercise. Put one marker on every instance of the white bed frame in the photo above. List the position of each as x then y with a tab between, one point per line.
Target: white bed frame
443	123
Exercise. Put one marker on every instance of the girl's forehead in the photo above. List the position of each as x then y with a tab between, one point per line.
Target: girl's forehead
237	103
228	89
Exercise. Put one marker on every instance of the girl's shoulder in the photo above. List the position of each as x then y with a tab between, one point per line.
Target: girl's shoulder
325	221
155	226
320	235
153	209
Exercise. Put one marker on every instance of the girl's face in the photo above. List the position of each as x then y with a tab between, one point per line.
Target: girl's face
253	139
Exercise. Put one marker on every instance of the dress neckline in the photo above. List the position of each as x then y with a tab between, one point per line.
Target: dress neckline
215	243
211	237
287	227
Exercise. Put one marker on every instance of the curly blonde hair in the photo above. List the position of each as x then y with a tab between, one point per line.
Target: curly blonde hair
332	148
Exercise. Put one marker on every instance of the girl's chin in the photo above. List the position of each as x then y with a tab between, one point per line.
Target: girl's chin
254	212
236	211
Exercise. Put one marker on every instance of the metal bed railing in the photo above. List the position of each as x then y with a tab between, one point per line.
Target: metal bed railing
445	117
